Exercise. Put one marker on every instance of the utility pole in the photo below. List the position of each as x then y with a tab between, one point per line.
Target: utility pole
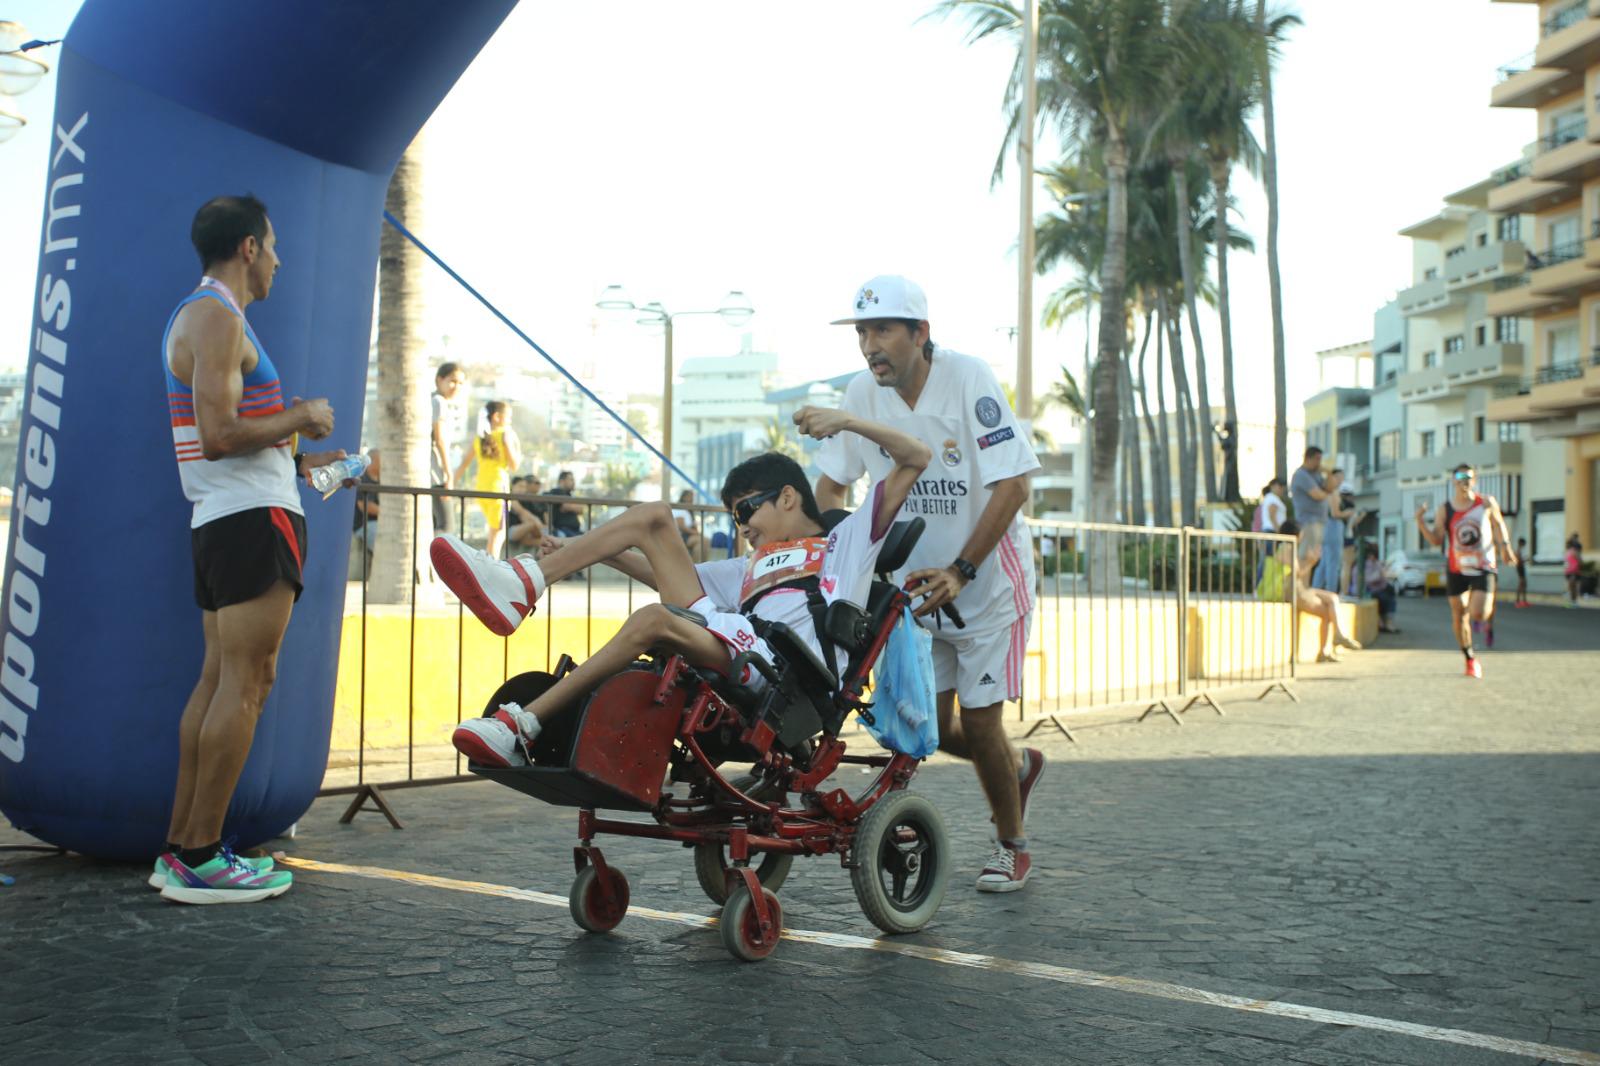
1030	63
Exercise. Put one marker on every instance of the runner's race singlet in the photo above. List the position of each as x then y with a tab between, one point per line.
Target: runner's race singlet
781	563
1470	540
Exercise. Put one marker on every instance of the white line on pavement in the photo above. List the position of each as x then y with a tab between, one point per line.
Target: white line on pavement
1038	970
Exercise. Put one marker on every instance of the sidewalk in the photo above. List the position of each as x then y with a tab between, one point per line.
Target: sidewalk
1405	844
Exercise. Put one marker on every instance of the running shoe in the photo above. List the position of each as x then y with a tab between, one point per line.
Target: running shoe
1032	770
223	879
1488	636
1006	871
158	876
500	739
1474	669
500	593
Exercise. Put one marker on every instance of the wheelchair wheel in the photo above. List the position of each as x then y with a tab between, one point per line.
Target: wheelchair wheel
598	905
711	867
741	930
902	862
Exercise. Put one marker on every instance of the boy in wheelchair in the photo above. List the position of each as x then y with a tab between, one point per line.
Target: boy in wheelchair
794	569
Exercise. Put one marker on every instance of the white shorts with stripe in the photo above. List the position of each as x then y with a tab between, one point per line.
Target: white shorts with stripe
982	667
736	632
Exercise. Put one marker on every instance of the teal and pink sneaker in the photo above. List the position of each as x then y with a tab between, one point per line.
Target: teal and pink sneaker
158	876
224	879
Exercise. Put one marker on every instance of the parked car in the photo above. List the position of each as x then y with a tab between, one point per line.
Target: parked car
1411	575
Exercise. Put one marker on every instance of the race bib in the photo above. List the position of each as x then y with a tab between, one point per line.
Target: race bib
778	563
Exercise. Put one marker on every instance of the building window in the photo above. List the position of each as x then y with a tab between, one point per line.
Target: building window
1508	228
1426	443
1452	435
1430	359
1430	273
1480	335
1482	240
1452	345
1506	330
1479	427
1510	430
1385	451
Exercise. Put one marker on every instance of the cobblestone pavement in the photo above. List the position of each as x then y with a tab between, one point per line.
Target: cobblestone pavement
1404	843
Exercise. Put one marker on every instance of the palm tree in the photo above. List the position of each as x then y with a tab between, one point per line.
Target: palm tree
1095	85
1269	174
777	437
1161	479
403	414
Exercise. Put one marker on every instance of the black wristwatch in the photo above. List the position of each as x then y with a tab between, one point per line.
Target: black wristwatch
967	571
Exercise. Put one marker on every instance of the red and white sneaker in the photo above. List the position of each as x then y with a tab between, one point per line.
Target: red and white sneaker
500	593
500	739
1033	770
1474	669
1006	871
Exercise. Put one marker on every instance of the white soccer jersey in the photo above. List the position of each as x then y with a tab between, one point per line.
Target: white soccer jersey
964	418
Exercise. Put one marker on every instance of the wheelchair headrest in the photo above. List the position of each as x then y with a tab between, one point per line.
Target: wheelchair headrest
897	543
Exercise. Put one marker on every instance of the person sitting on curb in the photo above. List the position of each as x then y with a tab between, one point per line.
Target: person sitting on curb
772	503
1275	585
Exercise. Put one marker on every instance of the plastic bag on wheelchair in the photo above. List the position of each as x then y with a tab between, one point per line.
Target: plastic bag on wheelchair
906	714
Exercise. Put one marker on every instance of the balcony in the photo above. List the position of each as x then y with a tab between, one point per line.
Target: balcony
1569	38
1564	272
1563	390
1513	297
1483	363
1481	266
1520	83
1429	297
1517	191
1566	154
1490	456
1424	384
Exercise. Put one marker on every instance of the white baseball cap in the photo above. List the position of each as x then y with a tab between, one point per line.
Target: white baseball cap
887	296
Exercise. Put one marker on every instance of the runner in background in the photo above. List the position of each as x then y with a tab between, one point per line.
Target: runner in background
1470	527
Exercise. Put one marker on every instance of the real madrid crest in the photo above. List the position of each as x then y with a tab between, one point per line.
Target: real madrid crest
952	454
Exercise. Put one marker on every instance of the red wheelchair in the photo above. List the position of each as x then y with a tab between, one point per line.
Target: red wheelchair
663	724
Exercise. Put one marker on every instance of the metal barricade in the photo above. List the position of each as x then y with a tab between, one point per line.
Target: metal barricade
1126	615
413	667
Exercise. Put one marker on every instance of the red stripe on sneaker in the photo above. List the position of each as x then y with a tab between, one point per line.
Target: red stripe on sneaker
527	585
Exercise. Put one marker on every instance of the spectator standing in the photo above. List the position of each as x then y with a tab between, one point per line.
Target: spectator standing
497	452
1271	511
1377	580
974	551
1326	574
449	434
1572	568
1310	501
1522	573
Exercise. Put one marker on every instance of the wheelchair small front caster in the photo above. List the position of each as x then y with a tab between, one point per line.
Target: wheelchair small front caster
741	928
599	898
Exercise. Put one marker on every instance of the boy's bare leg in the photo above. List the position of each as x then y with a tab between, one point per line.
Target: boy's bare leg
652	626
649	527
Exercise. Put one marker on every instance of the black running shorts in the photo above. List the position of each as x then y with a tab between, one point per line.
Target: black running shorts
238	557
1455	584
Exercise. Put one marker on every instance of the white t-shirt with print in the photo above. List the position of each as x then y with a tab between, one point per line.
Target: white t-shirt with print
964	418
847	567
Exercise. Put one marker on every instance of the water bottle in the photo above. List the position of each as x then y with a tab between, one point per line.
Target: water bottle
328	479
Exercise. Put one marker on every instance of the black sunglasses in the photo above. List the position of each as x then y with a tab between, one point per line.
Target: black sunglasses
746	508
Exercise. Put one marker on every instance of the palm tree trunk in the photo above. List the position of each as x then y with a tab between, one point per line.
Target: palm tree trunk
1164	480
1204	434
1113	327
1269	178
1161	495
403	414
1132	450
1220	173
1184	414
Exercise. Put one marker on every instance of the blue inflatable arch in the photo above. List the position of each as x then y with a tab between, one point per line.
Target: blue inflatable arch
160	105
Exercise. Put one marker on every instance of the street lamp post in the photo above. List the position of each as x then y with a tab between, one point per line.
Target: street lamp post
735	311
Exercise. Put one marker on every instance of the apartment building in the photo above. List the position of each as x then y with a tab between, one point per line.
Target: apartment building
1553	191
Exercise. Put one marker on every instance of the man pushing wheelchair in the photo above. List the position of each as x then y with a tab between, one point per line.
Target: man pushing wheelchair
795	569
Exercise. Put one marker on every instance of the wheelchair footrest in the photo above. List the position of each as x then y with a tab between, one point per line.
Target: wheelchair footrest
564	787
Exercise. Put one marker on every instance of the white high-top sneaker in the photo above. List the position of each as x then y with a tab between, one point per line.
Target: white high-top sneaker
501	739
500	593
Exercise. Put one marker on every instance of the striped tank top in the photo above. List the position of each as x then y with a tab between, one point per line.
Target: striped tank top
1469	547
220	487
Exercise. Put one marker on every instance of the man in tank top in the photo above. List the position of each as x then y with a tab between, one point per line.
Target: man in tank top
1471	528
233	438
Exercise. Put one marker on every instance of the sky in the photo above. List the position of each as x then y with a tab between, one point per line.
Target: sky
791	152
